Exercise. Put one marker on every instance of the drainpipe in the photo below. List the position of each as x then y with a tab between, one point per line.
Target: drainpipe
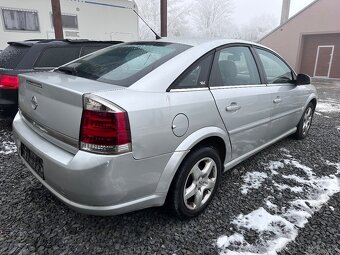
57	21
285	11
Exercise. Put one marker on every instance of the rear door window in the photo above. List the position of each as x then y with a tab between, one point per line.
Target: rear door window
12	55
234	66
57	56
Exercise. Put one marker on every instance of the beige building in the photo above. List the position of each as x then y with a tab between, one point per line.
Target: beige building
310	40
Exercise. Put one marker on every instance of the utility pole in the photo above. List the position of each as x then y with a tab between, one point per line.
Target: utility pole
57	21
164	18
285	11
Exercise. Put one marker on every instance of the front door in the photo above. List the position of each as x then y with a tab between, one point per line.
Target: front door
323	61
286	98
243	102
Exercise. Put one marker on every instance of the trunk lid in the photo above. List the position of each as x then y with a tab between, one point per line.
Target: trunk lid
53	101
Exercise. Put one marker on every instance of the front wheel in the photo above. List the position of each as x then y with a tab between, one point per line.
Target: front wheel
305	122
196	182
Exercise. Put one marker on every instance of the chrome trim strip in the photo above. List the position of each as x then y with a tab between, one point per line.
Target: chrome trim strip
238	86
53	133
189	89
35	84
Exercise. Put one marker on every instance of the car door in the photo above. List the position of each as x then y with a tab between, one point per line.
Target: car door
285	95
242	99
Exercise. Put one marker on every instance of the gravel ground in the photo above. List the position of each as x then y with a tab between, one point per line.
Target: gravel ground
32	221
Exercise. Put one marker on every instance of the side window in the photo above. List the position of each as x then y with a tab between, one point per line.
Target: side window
89	49
234	66
54	57
275	69
195	76
20	20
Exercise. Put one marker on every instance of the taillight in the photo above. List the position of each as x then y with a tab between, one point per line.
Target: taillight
104	127
9	82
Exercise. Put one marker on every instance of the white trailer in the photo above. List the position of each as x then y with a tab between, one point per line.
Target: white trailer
82	19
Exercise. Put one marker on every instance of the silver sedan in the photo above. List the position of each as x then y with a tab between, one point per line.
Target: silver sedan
143	123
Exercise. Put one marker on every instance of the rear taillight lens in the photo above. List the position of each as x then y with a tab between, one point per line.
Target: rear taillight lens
9	82
104	127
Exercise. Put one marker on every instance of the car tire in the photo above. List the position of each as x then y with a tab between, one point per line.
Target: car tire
305	123
197	177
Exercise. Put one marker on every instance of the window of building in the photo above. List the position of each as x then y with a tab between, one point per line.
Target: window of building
21	20
69	21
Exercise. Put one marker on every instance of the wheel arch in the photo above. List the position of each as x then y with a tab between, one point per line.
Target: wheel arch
209	136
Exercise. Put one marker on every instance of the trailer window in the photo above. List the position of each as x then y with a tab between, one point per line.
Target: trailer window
124	64
12	55
69	21
20	20
54	57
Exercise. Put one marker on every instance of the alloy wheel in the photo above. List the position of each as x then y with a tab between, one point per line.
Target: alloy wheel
307	121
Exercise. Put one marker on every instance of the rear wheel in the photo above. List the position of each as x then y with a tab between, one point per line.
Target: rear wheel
305	122
196	182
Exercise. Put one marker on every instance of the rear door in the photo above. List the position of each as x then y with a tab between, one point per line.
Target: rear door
285	96
242	99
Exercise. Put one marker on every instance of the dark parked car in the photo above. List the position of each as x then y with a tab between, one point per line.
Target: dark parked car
35	56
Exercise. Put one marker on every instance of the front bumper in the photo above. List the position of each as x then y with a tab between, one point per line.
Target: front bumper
92	183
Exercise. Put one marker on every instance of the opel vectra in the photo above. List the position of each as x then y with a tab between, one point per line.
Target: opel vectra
143	123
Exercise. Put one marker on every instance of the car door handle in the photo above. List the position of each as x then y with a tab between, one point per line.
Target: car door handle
233	107
277	100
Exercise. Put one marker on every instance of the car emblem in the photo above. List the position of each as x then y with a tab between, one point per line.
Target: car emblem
34	102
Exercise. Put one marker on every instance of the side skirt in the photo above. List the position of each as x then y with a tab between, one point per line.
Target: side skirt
238	160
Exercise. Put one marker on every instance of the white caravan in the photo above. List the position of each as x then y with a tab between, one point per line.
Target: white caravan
82	19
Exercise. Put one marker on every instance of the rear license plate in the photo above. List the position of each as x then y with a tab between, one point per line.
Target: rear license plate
34	161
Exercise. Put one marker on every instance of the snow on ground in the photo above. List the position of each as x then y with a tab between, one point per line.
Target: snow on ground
252	180
328	106
7	147
277	226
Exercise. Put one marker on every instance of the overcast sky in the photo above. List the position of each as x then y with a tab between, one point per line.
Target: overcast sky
245	10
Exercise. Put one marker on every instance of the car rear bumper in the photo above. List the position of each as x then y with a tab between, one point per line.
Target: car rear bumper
92	183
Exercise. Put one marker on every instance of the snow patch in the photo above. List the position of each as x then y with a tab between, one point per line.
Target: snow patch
275	231
328	106
8	147
252	180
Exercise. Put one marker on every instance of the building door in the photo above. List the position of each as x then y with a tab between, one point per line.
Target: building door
323	63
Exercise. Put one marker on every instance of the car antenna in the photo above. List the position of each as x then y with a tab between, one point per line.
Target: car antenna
153	31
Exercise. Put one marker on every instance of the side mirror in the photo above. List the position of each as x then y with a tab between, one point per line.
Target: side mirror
303	79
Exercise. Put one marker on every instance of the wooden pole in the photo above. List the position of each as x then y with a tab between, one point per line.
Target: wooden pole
57	21
164	18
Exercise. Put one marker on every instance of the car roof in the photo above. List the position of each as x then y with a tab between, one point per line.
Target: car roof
30	43
200	41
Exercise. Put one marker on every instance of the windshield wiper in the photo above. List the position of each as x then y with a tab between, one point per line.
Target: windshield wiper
68	70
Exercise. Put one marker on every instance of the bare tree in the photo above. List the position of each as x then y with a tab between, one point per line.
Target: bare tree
257	28
212	18
150	11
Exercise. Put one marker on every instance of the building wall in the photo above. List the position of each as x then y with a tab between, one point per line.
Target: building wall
310	50
97	20
322	17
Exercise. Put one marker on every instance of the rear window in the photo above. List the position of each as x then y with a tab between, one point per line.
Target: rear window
124	64
12	55
54	57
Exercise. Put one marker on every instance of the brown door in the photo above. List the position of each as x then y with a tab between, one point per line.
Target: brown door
323	61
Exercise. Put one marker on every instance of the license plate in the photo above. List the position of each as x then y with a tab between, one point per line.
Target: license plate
34	161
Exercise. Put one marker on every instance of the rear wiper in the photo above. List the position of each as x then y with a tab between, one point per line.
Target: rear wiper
68	70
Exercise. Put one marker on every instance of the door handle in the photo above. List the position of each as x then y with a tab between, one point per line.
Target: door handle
277	100
233	107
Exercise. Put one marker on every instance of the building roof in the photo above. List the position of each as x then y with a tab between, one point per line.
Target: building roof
290	19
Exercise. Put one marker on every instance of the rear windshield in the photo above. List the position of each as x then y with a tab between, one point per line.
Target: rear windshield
124	64
12	55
